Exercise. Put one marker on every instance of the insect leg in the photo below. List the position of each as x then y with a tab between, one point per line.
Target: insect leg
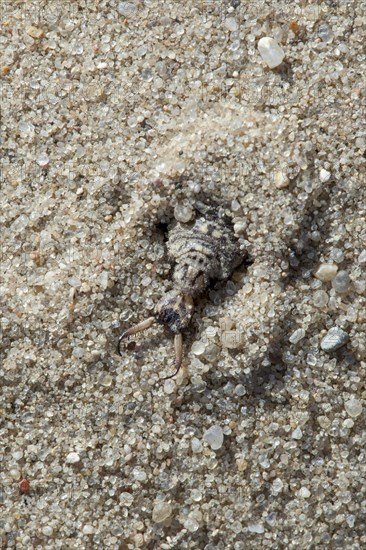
140	327
178	347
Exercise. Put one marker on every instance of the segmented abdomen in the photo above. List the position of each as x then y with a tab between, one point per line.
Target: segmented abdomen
208	250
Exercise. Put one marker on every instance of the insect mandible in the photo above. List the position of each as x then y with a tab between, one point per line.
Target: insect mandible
204	251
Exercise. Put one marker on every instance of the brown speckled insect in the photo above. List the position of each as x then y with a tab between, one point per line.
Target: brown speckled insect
205	251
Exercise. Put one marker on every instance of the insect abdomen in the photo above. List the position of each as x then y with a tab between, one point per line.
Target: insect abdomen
203	252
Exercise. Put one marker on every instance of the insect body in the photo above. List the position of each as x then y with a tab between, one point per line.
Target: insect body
202	252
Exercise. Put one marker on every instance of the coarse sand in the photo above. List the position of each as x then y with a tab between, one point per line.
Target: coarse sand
116	118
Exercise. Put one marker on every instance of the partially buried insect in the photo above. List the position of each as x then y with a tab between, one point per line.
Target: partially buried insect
205	251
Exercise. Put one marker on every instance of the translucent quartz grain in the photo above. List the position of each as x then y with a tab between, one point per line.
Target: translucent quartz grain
183	213
325	33
297	335
72	458
334	339
214	436
304	492
320	298
198	347
139	474
270	51
353	407
256	528
362	257
231	24
324	175
337	255
43	159
326	272
126	8
161	511
341	282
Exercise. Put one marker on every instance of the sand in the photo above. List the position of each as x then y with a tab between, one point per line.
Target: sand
116	118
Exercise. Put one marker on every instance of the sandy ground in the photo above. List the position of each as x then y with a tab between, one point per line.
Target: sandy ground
117	117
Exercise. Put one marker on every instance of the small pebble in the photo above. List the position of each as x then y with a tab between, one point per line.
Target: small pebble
214	436
192	523
271	53
231	24
277	486
105	379
232	339
126	499
19	224
198	347
24	486
139	474
242	464
297	335
297	434
161	511
326	272
362	257
240	390
326	33
321	298
323	422
304	492
103	279
34	32
43	159
311	360
256	528
211	332
72	458
196	495
341	282
353	407
196	445
78	352
239	227
17	455
281	180
350	519
334	339
324	175
126	8
271	518
337	255
169	386
182	213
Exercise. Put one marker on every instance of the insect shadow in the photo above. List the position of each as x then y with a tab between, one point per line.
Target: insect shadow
304	254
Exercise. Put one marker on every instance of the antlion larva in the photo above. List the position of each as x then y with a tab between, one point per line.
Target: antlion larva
204	251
